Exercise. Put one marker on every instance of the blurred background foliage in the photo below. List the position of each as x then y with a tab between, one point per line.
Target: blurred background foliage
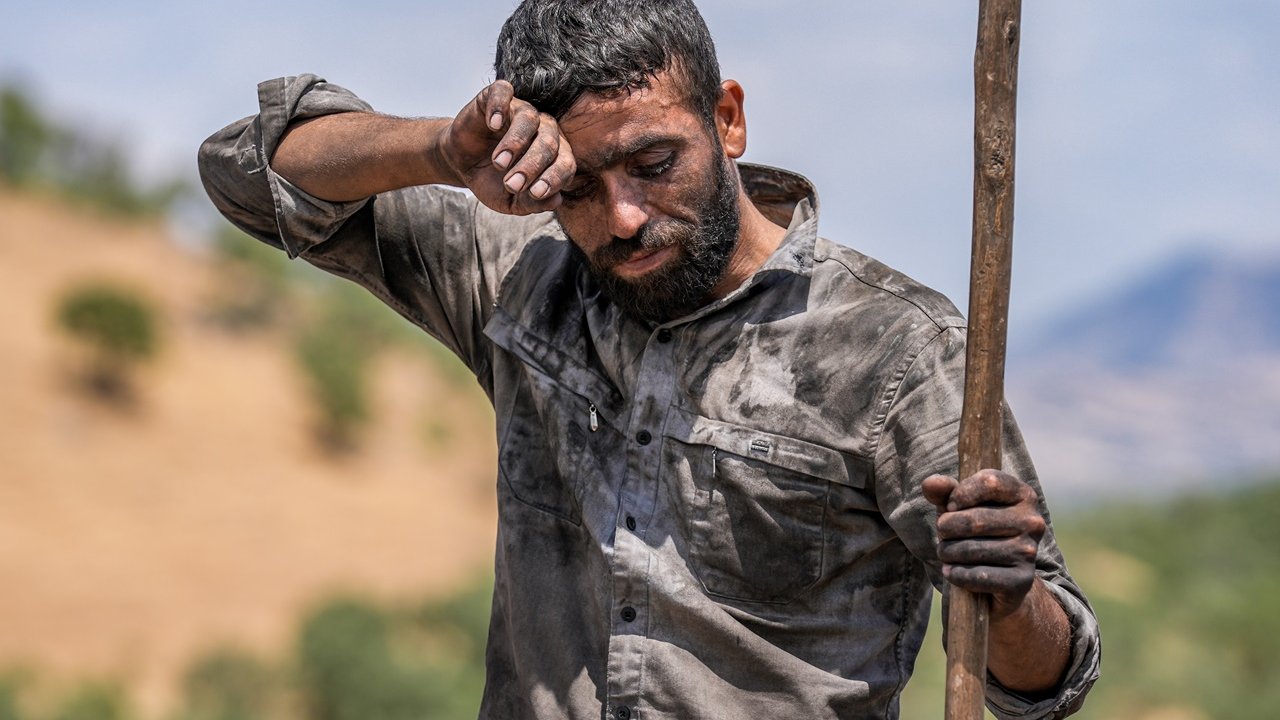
1185	593
338	329
117	330
354	658
38	154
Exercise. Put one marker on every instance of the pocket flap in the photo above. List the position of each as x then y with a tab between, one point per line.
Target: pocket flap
784	452
508	333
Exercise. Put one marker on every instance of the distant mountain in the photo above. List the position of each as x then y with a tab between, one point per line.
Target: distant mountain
1172	381
1188	311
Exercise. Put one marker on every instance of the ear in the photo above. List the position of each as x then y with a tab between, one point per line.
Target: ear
731	122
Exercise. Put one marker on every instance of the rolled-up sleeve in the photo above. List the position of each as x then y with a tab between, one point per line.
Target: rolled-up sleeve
919	438
235	166
433	254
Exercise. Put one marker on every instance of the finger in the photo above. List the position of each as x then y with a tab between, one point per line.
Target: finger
988	487
522	128
495	104
525	204
986	522
555	177
1009	552
937	489
990	580
544	194
542	152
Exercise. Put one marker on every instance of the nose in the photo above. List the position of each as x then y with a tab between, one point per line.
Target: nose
625	208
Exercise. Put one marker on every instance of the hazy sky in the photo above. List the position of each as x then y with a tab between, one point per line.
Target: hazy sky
1144	126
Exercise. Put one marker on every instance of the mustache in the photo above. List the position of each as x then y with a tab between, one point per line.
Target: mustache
649	237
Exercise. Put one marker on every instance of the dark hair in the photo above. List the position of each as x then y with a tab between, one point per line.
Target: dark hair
553	51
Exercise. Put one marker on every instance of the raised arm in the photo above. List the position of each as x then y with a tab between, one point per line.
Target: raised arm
512	157
317	173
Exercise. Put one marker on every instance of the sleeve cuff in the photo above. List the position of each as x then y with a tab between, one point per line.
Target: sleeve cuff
303	220
1082	671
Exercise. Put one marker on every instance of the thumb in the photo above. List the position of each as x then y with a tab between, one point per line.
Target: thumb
938	489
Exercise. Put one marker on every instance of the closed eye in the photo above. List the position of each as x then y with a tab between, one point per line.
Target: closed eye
654	169
580	189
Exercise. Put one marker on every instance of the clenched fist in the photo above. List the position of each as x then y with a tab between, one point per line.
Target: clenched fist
514	158
989	529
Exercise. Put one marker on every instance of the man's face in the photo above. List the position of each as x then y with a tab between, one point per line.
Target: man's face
653	209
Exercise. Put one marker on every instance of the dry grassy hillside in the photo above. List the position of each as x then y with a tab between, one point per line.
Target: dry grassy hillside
131	539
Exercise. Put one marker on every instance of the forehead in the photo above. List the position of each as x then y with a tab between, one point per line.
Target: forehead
604	129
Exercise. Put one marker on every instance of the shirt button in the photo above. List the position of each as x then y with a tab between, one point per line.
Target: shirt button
628	614
664	335
631	523
643	437
622	712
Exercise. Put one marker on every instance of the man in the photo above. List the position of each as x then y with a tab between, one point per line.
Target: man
718	432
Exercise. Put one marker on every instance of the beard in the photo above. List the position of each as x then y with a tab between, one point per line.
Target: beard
684	283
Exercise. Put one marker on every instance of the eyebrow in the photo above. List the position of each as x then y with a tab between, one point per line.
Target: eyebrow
616	155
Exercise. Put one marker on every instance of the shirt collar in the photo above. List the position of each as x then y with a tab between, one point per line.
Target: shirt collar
788	199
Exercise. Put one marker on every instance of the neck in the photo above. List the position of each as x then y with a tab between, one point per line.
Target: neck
758	238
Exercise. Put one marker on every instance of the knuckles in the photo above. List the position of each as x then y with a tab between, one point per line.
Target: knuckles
989	533
537	150
992	580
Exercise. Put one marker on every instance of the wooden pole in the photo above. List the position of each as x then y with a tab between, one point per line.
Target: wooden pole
995	73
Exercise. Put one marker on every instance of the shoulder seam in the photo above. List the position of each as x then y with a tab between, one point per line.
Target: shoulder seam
940	323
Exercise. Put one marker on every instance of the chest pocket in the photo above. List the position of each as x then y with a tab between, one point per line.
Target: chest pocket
756	506
558	418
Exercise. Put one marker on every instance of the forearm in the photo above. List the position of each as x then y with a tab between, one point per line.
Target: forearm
1029	648
354	155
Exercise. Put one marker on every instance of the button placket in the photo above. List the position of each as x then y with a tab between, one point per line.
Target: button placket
632	556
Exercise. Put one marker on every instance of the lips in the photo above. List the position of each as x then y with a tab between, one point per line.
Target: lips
643	261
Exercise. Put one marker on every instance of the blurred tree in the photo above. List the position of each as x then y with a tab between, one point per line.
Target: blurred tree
228	684
348	670
37	152
335	349
24	137
96	172
93	701
254	282
118	329
9	700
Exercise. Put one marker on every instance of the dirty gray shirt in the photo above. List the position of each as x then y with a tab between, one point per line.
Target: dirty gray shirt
716	517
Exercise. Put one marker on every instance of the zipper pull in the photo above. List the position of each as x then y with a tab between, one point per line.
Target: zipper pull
593	419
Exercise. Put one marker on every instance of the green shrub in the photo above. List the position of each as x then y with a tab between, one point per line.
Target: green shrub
348	671
336	365
93	701
10	707
24	137
37	152
117	327
228	684
254	287
335	349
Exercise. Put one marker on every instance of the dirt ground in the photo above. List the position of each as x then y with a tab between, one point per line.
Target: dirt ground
129	541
